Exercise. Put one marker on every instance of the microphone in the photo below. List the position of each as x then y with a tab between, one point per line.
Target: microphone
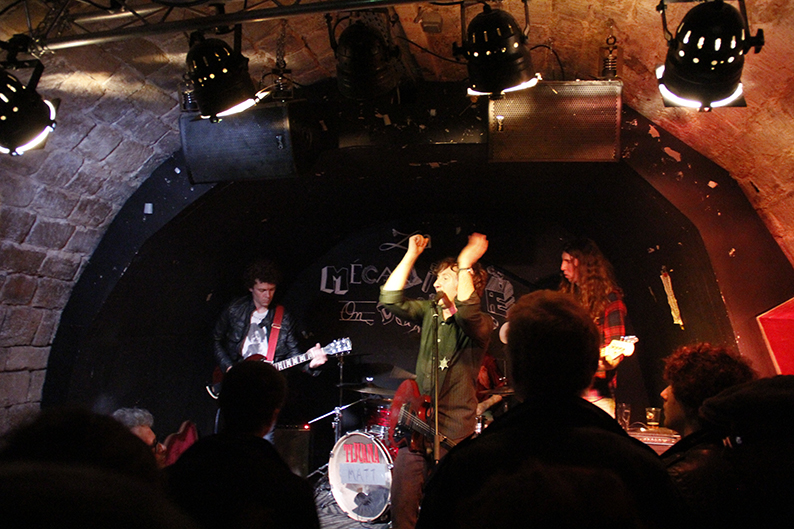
437	299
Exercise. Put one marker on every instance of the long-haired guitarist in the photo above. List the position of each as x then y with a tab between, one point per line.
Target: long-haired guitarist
589	277
253	325
463	335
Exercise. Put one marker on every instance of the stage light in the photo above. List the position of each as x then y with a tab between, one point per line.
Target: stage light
25	118
221	83
364	68
704	62
497	55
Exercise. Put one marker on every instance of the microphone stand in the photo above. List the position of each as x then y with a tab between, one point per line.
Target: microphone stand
436	436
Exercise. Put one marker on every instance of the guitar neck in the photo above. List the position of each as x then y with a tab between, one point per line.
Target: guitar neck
336	347
292	361
417	425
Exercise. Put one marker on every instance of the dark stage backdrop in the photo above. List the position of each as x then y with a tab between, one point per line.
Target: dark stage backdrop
336	238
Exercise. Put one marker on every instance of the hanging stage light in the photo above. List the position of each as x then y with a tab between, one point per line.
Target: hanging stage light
25	118
497	54
703	67
221	83
364	68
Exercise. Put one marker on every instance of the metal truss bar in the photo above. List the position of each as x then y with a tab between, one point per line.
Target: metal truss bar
229	19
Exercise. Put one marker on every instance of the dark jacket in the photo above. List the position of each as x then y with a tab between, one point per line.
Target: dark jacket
561	463
240	482
232	328
738	470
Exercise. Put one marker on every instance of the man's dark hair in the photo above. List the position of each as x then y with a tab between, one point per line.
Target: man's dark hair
697	372
552	343
479	276
251	393
264	271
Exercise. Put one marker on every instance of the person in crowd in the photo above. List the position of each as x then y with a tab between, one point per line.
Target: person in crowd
589	277
78	437
254	326
463	333
693	374
553	349
697	462
140	422
235	478
745	477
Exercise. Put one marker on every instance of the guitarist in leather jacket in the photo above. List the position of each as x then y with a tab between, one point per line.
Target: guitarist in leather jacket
245	325
463	335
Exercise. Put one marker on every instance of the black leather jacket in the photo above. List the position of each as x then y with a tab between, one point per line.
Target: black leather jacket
232	328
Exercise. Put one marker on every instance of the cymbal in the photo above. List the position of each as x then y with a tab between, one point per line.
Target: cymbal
370	389
398	372
504	390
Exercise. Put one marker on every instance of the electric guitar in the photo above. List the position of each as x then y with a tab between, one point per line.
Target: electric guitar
408	421
340	346
624	346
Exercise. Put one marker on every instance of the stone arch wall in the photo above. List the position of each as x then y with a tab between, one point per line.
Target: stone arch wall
117	122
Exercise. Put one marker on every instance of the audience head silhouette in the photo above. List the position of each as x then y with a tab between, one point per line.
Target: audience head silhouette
553	345
251	397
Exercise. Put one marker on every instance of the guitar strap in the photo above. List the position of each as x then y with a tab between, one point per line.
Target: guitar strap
274	330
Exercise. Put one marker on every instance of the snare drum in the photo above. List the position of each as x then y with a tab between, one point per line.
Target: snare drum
376	420
359	472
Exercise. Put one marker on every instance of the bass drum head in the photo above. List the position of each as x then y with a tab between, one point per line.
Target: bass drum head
360	474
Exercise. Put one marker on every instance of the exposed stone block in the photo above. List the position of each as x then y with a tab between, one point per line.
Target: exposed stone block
146	128
54	203
104	63
110	108
80	91
19	326
70	130
20	259
36	385
129	156
143	55
13	416
83	241
89	178
100	142
50	234
52	293
22	165
14	387
91	211
16	191
26	358
46	332
59	169
155	100
15	223
18	289
62	266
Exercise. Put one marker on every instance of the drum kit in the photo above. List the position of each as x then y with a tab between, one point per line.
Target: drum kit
359	470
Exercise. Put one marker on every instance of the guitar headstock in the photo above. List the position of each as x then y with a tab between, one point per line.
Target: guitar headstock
342	345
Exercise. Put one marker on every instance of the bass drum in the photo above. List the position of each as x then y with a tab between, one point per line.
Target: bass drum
360	474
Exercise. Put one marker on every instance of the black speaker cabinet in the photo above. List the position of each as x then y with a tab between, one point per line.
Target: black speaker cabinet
557	121
279	140
293	443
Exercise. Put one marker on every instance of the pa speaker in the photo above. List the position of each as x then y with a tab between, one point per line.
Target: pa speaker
269	141
557	121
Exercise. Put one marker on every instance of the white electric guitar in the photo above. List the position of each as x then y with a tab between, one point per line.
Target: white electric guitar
621	347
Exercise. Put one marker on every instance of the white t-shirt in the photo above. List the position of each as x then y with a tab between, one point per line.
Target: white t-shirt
256	340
